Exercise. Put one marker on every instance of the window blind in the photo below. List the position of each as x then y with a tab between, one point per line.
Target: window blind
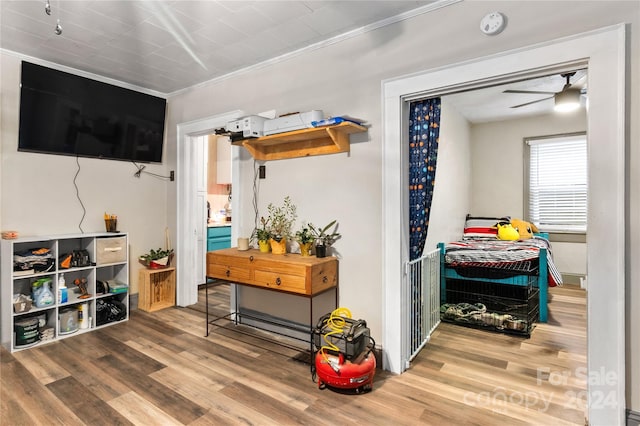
558	183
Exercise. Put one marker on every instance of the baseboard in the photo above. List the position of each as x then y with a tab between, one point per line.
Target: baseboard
574	279
133	302
633	418
273	324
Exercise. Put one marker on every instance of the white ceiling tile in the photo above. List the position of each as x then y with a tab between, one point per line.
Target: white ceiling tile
93	22
220	32
125	11
204	12
237	6
282	11
174	21
294	34
14	20
326	20
175	52
248	21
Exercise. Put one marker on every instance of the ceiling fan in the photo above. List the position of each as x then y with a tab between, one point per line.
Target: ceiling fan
566	99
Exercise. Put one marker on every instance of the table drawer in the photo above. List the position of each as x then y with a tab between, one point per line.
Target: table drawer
283	282
324	276
225	272
269	265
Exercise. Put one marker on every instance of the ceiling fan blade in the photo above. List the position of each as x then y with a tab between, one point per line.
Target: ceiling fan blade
529	91
533	102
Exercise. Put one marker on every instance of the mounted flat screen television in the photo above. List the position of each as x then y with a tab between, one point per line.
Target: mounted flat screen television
65	114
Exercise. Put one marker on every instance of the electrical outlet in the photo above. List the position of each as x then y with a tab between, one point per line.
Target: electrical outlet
172	176
262	172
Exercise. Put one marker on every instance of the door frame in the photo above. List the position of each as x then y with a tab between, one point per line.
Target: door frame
604	53
186	208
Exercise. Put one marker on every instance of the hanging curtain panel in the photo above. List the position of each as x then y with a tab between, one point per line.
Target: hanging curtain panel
424	132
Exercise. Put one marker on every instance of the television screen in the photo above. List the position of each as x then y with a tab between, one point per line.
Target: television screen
62	113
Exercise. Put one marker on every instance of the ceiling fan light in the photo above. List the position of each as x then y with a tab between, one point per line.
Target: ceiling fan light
567	100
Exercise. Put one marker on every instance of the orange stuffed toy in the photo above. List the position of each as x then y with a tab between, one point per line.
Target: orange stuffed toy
525	229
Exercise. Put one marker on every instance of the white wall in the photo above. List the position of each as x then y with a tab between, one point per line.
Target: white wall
39	196
498	173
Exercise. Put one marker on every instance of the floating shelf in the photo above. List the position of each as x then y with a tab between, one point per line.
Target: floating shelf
302	143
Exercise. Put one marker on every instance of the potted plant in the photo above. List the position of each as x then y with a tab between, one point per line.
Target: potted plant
157	259
281	219
305	239
263	235
324	237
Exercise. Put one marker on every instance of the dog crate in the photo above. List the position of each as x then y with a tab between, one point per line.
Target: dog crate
493	306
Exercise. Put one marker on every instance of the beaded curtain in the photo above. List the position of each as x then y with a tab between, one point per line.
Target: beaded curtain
424	132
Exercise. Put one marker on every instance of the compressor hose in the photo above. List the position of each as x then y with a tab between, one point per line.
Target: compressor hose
336	324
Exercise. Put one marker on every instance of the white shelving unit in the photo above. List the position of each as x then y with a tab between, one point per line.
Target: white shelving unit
108	255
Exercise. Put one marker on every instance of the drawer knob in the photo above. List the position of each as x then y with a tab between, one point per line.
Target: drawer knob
251	258
228	273
278	281
325	279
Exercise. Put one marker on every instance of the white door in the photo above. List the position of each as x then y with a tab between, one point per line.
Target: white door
200	162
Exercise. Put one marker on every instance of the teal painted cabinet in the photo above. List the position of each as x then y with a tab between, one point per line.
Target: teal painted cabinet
218	237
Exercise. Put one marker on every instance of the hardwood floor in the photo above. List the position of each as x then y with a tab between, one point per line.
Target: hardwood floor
159	369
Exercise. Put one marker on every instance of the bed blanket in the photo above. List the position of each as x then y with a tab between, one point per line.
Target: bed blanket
512	257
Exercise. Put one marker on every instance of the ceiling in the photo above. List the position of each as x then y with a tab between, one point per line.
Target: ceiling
167	46
492	104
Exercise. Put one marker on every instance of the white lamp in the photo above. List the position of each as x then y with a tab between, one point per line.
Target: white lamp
568	100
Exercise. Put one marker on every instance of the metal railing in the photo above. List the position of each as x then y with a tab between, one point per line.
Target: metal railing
421	302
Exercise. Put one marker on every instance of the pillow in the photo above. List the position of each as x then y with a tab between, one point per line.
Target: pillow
476	227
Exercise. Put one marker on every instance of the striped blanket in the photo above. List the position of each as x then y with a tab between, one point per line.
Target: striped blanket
507	258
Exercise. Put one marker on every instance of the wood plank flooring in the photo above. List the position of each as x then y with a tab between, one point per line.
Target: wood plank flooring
159	369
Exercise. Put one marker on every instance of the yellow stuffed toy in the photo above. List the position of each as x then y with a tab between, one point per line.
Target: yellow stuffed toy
507	232
525	229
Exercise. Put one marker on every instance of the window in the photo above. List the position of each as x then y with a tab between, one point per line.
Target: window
557	183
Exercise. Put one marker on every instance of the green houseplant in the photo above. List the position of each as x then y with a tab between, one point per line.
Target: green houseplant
305	239
281	219
157	259
263	235
325	237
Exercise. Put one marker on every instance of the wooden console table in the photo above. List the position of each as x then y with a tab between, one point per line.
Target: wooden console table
305	276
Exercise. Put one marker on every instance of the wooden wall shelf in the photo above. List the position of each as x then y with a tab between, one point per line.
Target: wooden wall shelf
303	143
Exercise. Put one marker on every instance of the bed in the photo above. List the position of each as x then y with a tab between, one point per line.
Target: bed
500	285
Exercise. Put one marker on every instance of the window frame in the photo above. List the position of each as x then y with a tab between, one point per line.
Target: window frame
555	234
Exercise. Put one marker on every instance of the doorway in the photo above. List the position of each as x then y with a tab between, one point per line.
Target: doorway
191	207
603	52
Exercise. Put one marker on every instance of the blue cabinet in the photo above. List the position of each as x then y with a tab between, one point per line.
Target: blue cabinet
218	237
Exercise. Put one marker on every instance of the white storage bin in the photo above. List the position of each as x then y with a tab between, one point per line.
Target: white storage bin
111	250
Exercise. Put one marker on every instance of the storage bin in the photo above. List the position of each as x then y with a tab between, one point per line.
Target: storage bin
26	332
111	250
68	320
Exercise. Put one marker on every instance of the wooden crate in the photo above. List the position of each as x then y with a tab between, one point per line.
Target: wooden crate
157	289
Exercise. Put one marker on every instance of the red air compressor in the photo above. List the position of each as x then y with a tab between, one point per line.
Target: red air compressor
344	358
